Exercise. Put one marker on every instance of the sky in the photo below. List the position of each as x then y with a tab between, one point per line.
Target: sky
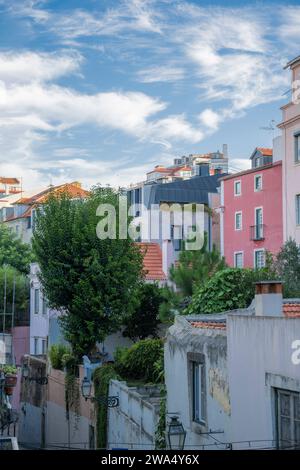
100	91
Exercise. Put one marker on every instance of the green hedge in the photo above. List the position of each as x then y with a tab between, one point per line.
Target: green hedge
229	289
141	361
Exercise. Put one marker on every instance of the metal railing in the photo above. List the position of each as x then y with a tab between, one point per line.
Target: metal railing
257	232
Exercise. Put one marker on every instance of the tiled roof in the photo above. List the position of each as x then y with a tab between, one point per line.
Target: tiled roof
9	180
152	261
291	310
265	151
212	325
72	189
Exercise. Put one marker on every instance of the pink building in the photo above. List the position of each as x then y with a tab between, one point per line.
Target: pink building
251	212
290	127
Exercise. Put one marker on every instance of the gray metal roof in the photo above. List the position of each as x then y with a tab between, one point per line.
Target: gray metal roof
194	190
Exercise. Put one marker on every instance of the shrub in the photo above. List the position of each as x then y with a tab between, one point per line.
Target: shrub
229	289
138	361
56	354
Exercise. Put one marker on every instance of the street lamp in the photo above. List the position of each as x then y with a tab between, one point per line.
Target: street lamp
25	371
176	434
86	389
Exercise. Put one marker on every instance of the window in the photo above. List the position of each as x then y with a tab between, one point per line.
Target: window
297	148
288	418
45	306
257	162
44	346
36	346
198	383
238	221
258	223
259	259
36	301
237	188
176	237
298	209
257	183
239	259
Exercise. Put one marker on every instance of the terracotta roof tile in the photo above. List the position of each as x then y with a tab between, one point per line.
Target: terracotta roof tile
291	310
9	180
152	261
212	325
265	151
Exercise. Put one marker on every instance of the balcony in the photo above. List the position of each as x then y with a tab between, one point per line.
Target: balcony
257	232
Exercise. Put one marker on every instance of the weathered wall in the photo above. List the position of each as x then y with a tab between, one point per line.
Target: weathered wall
132	424
183	339
259	359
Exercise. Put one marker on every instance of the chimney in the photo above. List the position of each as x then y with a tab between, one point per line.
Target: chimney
225	150
268	299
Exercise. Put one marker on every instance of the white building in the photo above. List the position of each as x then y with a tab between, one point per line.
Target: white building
234	379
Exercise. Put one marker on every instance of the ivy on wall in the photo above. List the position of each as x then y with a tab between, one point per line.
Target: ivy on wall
101	378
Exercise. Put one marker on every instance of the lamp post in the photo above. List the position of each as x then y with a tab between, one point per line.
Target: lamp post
176	434
86	389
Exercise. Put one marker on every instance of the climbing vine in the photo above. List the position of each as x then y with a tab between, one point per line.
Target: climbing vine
102	377
160	434
72	392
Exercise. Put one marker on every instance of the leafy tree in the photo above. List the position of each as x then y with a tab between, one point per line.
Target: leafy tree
287	266
11	276
195	267
143	321
172	303
229	289
92	281
13	252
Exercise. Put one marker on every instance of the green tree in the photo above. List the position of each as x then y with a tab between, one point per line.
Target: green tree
92	281
287	266
195	267
143	321
13	252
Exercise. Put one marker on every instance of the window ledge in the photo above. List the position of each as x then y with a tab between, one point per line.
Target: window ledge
198	428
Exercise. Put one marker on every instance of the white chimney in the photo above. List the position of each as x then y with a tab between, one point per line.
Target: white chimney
225	150
268	299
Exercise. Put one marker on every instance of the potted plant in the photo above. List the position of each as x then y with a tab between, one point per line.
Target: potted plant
11	378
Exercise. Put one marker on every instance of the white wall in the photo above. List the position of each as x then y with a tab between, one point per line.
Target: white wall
39	322
259	359
132	424
182	339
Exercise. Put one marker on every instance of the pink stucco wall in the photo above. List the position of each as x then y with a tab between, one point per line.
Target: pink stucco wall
269	198
291	170
20	336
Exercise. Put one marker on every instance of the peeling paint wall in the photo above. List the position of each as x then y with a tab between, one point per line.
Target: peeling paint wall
182	341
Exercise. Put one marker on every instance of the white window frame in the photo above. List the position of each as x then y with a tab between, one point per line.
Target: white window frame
235	218
234	258
291	417
198	393
254	257
235	192
297	208
297	148
255	179
36	301
44	346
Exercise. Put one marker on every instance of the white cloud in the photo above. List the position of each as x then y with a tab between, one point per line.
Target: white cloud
176	128
210	119
161	74
289	30
32	66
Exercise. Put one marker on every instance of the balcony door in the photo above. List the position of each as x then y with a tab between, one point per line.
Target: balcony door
258	223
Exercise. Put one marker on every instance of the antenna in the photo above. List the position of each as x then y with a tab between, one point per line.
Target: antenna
270	128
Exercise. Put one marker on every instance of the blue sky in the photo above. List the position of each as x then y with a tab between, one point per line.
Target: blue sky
100	91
